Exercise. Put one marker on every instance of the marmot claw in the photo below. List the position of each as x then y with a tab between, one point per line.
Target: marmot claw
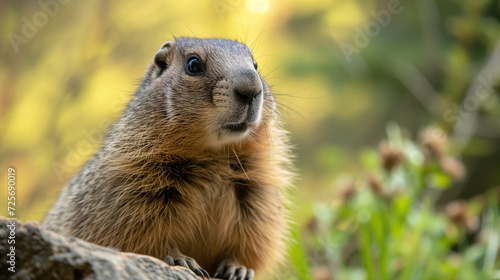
188	263
230	271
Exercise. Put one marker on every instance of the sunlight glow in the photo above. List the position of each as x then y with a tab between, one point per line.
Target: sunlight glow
260	6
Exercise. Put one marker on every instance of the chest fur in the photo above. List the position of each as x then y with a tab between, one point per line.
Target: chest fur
222	209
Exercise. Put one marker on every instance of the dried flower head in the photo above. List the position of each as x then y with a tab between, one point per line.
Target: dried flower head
348	191
391	157
375	184
312	225
346	187
458	214
433	141
453	167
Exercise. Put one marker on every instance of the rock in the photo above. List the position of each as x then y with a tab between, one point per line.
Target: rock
42	254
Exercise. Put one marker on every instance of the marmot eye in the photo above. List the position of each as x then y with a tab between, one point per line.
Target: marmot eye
255	64
194	65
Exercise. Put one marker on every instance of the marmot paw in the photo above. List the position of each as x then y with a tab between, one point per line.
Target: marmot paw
230	271
188	263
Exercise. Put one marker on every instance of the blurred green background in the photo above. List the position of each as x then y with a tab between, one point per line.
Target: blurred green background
347	74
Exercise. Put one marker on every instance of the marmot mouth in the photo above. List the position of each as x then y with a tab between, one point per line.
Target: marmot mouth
237	127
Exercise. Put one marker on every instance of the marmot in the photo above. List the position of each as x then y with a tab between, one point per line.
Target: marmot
195	170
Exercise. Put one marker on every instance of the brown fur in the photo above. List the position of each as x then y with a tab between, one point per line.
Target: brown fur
162	186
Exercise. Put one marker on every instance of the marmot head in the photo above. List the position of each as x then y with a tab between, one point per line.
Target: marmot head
211	89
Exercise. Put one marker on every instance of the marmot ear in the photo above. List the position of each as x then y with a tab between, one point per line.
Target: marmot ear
163	57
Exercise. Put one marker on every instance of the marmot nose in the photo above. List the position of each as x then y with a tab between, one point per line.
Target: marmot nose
246	95
247	86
